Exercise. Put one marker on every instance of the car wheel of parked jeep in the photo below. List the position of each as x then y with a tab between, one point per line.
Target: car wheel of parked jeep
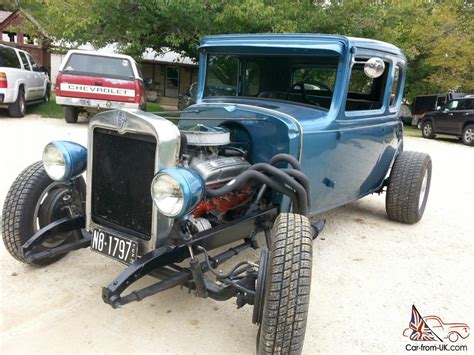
408	187
34	201
468	135
18	108
71	114
427	130
288	282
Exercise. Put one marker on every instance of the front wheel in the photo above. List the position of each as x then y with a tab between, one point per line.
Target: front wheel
34	201
468	135
408	187
427	130
287	287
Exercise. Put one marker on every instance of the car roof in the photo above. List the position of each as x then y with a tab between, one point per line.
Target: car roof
303	40
14	48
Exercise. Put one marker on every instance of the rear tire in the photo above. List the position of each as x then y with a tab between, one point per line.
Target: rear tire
71	114
47	95
18	108
288	284
427	130
408	187
20	222
468	135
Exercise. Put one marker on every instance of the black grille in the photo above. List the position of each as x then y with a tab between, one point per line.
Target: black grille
122	171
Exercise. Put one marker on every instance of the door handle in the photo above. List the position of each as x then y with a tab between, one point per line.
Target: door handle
466	114
450	114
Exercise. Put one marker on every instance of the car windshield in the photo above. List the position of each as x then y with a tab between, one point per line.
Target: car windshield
99	66
302	79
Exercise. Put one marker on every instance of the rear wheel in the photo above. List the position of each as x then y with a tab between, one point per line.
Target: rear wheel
427	130
71	114
34	201
408	187
288	283
47	94
18	108
468	135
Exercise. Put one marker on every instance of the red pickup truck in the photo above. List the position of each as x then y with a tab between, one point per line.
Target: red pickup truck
91	81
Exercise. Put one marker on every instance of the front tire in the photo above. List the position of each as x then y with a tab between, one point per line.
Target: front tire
468	135
71	114
427	130
34	201
288	284
408	187
18	108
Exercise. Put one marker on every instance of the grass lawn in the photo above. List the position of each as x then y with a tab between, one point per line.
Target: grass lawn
411	131
52	110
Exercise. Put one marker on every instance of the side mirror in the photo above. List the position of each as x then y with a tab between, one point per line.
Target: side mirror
438	108
374	67
445	109
147	81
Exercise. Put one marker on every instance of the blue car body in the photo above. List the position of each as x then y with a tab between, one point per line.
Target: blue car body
346	154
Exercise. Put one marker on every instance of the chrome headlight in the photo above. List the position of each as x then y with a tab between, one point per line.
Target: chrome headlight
177	191
64	160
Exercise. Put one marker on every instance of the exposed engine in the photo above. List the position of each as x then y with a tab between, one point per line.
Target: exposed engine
210	154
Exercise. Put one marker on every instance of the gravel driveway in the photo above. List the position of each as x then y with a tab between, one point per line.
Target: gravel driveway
368	272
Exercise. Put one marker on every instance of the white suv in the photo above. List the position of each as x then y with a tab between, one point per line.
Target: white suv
22	81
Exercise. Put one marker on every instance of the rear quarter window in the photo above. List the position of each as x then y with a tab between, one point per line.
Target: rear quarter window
8	58
93	65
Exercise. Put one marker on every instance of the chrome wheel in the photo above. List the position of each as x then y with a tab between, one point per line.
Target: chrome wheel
427	130
469	135
424	183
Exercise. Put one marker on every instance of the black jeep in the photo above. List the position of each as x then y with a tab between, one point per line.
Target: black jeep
455	118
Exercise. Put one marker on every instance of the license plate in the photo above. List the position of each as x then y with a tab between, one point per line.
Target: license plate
119	248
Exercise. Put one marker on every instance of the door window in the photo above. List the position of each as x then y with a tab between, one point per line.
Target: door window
467	104
452	105
172	81
222	75
24	60
365	93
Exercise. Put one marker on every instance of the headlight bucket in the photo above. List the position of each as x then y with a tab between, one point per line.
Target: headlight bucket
176	191
64	160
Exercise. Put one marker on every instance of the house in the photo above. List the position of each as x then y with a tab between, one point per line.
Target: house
19	29
169	72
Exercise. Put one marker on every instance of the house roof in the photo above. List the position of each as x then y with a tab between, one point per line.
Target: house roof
4	15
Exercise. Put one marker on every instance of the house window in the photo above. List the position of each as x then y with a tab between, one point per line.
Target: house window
365	93
172	81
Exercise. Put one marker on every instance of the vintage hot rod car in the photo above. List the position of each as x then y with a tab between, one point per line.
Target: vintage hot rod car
285	127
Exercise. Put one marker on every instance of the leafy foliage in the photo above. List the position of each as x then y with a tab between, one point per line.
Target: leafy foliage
436	36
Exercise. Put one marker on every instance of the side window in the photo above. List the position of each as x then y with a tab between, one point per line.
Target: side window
365	93
26	65
251	79
8	58
467	104
32	61
452	105
397	80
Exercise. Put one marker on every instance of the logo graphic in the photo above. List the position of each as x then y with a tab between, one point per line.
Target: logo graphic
120	120
432	328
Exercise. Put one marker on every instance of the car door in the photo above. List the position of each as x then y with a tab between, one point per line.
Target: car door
39	77
444	121
29	76
367	135
463	112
